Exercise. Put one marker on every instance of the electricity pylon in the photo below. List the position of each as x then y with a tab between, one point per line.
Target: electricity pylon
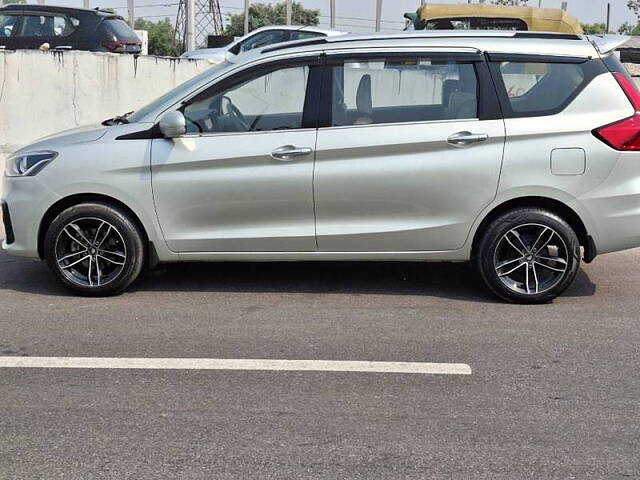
192	29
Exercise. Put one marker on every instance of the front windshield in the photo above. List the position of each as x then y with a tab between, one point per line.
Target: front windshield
178	92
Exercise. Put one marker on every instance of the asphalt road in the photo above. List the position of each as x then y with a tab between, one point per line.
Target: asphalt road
554	393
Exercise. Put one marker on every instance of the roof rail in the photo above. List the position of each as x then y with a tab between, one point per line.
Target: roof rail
422	34
607	43
548	35
295	43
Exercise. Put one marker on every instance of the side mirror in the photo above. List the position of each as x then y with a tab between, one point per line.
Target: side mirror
173	124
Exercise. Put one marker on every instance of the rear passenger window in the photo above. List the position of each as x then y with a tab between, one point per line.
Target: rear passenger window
46	26
536	89
397	90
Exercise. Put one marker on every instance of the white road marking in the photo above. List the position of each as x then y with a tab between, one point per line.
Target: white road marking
236	364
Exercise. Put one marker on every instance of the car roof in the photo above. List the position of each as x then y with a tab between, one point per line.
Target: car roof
496	41
57	9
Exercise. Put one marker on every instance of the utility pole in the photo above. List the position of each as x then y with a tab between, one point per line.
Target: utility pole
333	13
246	17
85	4
40	2
190	23
132	14
608	17
378	15
289	12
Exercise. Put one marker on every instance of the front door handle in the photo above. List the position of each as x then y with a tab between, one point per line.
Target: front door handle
463	139
288	153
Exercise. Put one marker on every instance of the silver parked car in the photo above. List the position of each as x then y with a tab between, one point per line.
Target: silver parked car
260	38
514	150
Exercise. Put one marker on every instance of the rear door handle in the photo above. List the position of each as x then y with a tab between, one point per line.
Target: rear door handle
288	153
463	139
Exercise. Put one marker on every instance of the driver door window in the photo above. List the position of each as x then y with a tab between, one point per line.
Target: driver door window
272	101
7	25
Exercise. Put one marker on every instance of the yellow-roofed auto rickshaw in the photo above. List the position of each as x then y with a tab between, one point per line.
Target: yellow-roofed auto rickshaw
440	16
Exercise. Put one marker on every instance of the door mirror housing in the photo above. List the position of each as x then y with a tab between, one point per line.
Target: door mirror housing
173	124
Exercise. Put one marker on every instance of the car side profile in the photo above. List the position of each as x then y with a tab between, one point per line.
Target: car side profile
260	38
30	26
518	151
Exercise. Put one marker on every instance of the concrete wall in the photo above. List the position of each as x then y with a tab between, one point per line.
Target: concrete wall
43	93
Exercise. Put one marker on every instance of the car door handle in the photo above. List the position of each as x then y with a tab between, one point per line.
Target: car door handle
288	153
463	139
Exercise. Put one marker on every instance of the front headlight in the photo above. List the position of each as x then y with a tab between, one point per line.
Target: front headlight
28	164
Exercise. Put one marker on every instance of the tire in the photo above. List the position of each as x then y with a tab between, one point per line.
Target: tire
528	255
94	249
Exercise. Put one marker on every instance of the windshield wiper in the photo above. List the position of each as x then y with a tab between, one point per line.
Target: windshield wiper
118	119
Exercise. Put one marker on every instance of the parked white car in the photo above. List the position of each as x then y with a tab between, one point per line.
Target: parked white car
261	37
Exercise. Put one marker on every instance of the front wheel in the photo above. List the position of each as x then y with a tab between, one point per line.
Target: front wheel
528	255
94	249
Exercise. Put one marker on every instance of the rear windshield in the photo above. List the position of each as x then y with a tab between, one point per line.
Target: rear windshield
117	29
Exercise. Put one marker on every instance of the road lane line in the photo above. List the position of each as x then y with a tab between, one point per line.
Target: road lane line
236	364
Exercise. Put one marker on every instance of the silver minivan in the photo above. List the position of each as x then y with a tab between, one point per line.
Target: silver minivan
519	151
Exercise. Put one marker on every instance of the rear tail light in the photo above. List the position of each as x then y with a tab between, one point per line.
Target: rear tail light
625	134
629	88
119	46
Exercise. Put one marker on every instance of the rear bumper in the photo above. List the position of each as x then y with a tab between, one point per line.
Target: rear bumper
614	207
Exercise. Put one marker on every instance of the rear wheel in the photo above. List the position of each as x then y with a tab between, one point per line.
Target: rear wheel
94	249
528	255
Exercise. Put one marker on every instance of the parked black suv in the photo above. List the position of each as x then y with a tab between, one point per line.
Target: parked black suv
30	26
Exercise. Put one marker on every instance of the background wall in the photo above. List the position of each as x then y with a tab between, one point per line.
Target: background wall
43	93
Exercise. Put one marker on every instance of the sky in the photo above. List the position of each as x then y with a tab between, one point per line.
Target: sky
358	15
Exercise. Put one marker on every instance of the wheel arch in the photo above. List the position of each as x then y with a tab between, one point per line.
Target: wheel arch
557	207
76	199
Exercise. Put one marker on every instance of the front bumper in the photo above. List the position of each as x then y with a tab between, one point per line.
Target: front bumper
25	202
6	221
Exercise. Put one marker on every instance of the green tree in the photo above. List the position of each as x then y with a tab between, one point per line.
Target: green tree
626	28
594	28
8	2
629	29
161	37
261	15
